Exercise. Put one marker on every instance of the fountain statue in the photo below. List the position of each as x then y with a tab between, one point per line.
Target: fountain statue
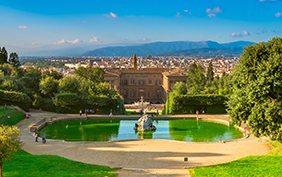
145	123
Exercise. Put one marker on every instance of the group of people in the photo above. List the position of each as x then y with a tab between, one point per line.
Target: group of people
43	137
88	111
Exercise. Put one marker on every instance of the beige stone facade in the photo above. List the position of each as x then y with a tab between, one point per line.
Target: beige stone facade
154	84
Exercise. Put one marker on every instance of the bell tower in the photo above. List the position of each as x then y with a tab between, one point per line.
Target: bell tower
134	61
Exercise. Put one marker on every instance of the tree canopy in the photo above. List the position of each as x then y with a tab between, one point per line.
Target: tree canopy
96	74
257	89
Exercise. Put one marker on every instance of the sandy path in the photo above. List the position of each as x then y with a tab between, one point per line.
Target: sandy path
142	157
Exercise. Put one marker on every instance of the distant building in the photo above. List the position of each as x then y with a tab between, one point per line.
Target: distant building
154	84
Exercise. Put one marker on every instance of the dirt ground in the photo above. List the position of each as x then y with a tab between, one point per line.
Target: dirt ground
143	157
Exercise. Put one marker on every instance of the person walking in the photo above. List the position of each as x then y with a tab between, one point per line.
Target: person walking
111	113
36	136
80	112
43	138
157	112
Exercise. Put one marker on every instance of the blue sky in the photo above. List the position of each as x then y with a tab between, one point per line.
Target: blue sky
60	23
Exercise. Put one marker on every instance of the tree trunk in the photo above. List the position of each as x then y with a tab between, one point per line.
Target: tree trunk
1	168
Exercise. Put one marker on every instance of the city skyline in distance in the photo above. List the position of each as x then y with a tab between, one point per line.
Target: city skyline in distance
63	24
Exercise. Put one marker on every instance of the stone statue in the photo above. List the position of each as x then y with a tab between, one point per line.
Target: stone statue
145	123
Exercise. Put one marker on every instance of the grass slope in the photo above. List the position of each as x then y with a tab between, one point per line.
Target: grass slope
25	164
268	165
15	116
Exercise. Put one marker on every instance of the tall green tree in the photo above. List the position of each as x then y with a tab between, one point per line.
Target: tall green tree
14	60
210	72
257	89
95	74
195	79
3	55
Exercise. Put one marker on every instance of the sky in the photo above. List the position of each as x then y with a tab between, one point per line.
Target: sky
60	23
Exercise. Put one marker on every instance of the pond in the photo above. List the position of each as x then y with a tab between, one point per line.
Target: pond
188	130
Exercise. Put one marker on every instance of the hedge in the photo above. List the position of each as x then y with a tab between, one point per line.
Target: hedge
44	104
72	103
15	98
188	104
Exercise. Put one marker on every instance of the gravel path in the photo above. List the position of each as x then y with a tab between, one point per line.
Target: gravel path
142	157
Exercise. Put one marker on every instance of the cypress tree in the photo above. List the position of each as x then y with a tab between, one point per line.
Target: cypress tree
210	72
3	55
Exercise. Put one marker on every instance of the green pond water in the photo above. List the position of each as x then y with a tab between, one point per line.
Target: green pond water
189	130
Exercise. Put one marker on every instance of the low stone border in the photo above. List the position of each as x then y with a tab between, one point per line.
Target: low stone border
54	119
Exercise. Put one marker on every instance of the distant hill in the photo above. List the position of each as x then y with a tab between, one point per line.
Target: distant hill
207	52
158	48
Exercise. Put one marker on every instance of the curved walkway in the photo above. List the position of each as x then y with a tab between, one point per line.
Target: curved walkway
142	157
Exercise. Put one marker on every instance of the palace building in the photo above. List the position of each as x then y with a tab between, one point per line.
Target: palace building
153	84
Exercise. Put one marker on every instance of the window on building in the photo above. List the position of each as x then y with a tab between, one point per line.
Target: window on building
159	82
141	82
158	94
132	81
150	81
124	94
149	95
124	82
171	82
132	94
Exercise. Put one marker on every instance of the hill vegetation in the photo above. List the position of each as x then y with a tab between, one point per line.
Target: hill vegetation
158	48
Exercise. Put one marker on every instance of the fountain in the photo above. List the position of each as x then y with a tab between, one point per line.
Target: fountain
145	123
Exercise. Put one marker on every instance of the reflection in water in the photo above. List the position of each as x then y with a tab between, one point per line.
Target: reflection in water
189	130
145	135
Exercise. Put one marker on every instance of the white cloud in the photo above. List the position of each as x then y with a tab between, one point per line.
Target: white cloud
187	11
178	15
113	15
75	41
245	32
94	40
211	15
22	27
213	12
267	0
278	14
236	34
145	39
63	41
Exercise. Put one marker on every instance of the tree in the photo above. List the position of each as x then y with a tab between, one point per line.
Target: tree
69	85
10	143
94	74
210	72
3	55
53	74
195	79
179	88
14	60
49	86
257	89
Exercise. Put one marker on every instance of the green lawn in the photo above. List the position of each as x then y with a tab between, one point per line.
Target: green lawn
15	116
268	165
25	164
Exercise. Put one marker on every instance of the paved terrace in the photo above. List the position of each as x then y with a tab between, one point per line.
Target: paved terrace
141	157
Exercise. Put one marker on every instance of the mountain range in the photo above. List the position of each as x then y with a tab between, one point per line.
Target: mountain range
177	48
